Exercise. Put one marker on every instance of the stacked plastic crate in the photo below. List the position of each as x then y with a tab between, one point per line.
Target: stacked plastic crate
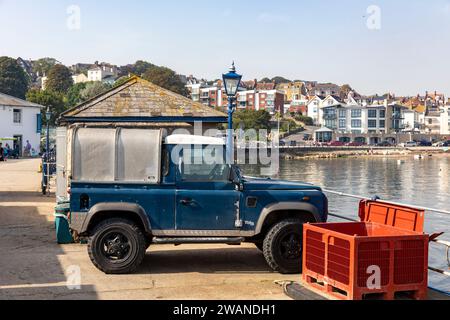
384	255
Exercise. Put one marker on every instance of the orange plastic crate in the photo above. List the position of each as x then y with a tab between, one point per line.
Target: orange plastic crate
339	258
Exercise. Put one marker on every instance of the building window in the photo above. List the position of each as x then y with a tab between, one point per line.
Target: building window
356	123
372	113
342	113
372	123
382	113
356	113
342	124
382	123
17	116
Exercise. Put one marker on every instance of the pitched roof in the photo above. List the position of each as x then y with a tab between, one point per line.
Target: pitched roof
7	100
138	98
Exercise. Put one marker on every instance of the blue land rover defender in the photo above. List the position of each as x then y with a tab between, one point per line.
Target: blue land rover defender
131	188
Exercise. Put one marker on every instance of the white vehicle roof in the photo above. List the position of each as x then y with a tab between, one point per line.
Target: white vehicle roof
186	139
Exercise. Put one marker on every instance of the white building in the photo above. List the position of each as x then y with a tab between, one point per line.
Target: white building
99	73
21	120
194	90
353	117
313	106
44	82
445	119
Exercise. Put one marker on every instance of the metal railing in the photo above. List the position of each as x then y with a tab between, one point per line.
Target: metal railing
440	242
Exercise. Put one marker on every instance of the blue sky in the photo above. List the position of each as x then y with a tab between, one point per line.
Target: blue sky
324	40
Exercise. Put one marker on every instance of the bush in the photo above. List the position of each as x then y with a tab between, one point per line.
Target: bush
306	120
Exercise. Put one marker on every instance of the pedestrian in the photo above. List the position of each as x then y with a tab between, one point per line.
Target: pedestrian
7	151
28	149
2	157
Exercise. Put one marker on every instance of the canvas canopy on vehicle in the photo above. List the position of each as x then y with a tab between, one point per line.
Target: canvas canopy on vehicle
116	155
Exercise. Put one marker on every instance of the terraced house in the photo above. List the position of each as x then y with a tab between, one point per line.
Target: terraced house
362	120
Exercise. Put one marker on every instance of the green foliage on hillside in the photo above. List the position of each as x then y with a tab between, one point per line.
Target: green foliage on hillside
59	79
251	119
54	100
166	78
13	79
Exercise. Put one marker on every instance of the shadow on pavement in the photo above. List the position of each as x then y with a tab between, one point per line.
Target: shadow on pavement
29	264
24	197
220	260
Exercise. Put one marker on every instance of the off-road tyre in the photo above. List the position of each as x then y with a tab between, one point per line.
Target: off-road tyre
129	249
283	246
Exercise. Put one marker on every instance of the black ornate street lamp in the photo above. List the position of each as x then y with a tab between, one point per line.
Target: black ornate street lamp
231	81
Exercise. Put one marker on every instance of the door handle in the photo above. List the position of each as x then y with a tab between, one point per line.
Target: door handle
187	202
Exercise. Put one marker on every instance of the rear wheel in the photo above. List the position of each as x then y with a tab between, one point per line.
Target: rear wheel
117	246
283	246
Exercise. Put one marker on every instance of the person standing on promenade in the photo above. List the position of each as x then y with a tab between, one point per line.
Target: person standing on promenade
2	158
28	149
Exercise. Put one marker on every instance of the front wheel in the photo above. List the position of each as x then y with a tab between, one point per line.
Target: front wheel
283	246
117	246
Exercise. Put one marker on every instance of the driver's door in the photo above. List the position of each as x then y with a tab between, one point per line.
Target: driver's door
206	199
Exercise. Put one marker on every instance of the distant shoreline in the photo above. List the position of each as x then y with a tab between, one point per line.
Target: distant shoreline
324	153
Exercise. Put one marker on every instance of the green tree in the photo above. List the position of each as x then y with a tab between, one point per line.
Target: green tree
166	78
74	94
251	119
13	79
138	68
59	79
51	99
93	89
279	80
44	65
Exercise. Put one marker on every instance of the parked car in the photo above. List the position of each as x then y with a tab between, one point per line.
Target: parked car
384	144
409	144
446	144
292	143
425	143
124	197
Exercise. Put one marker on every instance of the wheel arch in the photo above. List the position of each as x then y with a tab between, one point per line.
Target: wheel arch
102	211
286	210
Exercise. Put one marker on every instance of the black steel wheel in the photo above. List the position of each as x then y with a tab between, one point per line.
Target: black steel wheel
283	246
117	246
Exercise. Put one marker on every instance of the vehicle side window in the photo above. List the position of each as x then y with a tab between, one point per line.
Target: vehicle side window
205	172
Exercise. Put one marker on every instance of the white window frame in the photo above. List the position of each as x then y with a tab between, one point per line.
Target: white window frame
20	112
